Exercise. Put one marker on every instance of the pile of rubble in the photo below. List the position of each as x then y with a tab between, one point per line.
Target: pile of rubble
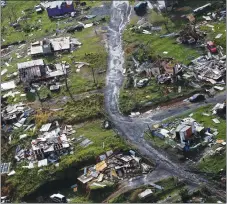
113	167
51	143
15	116
210	70
187	133
190	35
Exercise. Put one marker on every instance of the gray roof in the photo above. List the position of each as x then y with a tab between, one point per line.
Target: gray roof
32	63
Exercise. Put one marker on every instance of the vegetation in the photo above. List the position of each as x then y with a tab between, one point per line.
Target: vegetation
27	181
84	109
153	94
154	43
89	78
219	28
213	164
170	185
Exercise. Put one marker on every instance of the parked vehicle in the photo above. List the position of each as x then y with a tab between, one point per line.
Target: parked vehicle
211	47
197	98
58	198
141	83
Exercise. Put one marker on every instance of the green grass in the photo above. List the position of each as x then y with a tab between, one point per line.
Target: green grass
92	51
218	28
27	181
155	94
213	164
92	45
157	45
14	10
83	109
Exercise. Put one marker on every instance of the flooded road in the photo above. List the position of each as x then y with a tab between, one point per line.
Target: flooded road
132	129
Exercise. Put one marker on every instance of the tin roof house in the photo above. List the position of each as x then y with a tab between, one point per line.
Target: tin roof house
49	46
43	47
31	70
58	8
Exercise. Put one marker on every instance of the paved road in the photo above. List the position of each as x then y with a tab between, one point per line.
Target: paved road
132	129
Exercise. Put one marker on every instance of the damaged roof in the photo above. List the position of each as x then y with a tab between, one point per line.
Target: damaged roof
32	63
62	43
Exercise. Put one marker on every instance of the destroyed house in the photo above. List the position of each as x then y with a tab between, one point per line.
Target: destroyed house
60	44
31	70
46	47
11	113
43	147
41	48
58	8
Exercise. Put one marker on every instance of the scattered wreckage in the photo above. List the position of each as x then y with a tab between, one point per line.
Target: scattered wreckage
187	134
113	167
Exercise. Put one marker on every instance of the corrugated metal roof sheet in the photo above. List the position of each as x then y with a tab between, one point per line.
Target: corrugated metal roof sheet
32	63
5	168
45	127
60	43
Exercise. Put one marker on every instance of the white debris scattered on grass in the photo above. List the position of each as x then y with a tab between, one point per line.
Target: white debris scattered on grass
88	25
208	25
11	173
8	85
207	18
218	36
10	93
3	72
146	32
216	120
165	52
191	115
23	136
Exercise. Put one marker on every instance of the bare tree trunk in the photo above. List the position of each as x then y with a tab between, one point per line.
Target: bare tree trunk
93	74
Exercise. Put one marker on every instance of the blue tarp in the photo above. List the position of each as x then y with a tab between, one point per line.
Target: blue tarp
60	11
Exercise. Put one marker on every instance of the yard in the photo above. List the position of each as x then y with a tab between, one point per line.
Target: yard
92	50
211	163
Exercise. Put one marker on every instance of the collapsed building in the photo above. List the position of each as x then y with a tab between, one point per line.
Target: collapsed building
37	70
51	143
190	35
187	134
114	167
